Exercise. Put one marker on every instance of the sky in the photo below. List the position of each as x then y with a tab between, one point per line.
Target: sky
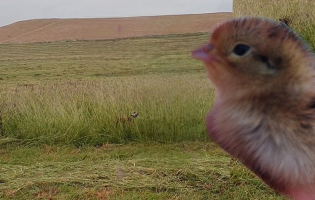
17	10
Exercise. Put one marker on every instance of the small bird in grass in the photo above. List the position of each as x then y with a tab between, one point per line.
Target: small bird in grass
264	110
124	119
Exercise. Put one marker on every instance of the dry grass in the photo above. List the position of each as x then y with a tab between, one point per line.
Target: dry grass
275	9
190	170
299	14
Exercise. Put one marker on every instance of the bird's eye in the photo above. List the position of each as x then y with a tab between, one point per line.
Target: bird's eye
241	49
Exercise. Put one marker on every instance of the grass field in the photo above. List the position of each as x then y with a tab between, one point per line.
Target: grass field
190	170
59	133
298	14
61	137
73	93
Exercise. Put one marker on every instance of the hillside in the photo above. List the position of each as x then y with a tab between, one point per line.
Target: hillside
48	30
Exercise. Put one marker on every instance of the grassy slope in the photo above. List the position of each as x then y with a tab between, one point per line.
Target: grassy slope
44	85
44	30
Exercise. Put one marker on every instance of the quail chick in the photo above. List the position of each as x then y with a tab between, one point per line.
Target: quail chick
264	110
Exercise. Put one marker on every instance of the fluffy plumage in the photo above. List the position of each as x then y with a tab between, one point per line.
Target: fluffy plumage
264	112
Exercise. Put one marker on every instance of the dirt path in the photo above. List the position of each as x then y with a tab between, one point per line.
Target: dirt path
30	32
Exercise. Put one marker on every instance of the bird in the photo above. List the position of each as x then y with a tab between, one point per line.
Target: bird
264	107
286	20
124	119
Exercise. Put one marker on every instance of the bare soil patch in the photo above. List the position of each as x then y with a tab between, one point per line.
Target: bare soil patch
49	30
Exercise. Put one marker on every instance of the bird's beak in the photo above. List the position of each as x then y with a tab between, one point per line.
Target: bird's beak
203	54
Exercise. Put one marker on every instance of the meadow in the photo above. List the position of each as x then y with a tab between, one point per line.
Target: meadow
74	92
60	105
60	138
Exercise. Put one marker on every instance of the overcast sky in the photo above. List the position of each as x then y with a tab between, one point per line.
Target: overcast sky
16	10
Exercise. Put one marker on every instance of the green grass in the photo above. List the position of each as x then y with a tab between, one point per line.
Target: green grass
191	170
97	60
59	105
73	93
171	109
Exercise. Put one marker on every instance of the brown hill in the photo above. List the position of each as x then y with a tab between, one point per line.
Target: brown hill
47	30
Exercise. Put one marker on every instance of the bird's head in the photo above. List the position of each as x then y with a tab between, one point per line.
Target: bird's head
253	53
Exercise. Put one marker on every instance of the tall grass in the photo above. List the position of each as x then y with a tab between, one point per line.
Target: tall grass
299	14
74	92
170	108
